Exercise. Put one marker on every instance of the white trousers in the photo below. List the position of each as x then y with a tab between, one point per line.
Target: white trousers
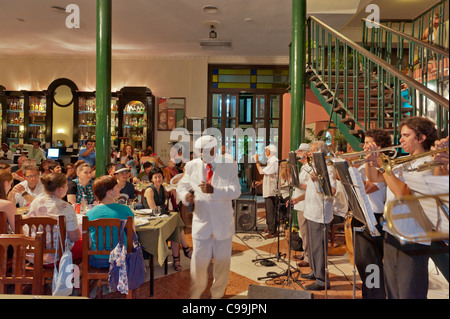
203	251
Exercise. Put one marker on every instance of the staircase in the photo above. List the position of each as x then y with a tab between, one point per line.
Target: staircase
360	90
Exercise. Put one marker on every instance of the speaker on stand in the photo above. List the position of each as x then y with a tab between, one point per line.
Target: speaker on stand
245	215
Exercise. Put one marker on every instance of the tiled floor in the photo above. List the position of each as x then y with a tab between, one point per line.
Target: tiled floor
247	269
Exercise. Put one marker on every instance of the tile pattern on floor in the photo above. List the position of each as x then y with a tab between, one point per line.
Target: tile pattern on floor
247	269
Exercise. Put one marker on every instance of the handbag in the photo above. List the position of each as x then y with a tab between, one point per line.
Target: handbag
62	278
126	270
296	242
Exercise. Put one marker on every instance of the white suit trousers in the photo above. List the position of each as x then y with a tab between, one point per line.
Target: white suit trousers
203	251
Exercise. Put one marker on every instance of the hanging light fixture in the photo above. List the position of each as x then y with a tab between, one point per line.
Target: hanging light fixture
212	33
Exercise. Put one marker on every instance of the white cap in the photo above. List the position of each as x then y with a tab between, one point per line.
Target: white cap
304	147
206	141
272	148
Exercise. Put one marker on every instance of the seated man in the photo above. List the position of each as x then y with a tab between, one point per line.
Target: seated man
127	192
144	175
24	193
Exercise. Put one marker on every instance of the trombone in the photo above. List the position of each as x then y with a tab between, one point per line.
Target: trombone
389	162
429	212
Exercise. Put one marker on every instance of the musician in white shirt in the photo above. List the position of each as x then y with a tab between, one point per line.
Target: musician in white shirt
405	263
213	222
368	249
270	183
319	215
299	203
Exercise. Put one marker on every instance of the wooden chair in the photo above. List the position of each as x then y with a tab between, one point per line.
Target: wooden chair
3	223
336	230
15	270
49	227
109	226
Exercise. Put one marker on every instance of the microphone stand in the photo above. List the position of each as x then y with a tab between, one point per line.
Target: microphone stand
320	180
355	229
288	273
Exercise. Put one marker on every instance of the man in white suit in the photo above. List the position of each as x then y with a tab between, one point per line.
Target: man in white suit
212	185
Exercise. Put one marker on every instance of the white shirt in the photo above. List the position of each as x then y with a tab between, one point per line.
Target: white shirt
270	178
340	203
406	225
303	178
377	199
39	189
9	155
317	205
213	214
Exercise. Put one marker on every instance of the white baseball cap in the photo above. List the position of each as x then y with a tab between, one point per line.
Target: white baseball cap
272	148
304	147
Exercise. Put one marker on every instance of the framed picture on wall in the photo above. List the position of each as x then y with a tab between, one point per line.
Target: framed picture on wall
171	111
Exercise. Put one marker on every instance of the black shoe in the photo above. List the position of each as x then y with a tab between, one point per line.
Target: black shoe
316	287
308	276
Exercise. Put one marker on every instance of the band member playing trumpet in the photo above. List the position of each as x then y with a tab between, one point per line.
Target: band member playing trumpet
405	264
368	249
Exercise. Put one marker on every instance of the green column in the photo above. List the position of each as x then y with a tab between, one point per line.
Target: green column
103	87
298	74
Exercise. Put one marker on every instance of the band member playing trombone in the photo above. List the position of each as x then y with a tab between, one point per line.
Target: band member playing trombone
405	264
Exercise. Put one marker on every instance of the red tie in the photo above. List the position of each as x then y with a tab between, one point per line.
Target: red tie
209	172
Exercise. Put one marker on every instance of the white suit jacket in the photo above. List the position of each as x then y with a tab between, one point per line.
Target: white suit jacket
213	213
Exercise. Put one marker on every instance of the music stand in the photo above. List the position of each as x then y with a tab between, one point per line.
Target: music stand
356	194
320	167
292	181
358	202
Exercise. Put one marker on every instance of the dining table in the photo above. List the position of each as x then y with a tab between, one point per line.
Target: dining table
154	236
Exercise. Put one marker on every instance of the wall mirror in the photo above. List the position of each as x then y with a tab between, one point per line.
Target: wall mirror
62	102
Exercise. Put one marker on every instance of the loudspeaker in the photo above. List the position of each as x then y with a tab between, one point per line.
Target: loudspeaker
264	292
245	212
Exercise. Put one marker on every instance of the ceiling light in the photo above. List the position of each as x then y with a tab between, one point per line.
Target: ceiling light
215	44
212	33
210	9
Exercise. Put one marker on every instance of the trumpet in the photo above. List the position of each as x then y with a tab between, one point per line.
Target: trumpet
429	212
388	162
362	153
358	162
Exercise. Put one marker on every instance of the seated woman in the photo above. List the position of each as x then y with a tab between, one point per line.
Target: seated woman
50	204
81	187
6	180
155	195
54	167
130	159
44	167
107	191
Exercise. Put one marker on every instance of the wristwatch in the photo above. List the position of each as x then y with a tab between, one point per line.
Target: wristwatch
381	170
24	194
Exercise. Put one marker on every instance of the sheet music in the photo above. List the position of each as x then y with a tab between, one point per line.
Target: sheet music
422	185
364	201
